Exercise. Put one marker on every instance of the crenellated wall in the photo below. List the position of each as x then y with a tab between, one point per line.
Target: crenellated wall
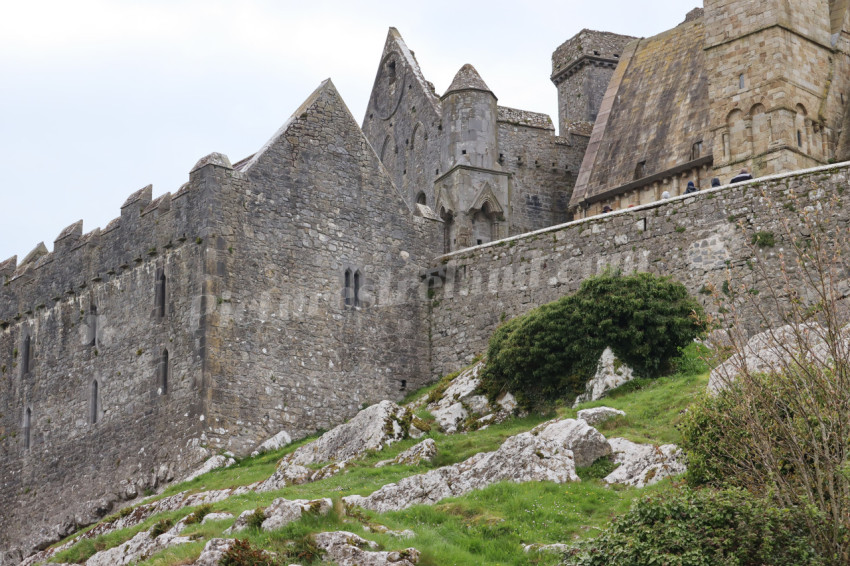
90	412
693	238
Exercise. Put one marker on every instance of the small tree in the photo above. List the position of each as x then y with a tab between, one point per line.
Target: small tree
551	352
781	426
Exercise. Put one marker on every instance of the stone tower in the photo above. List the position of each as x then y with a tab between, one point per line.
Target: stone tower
777	76
581	70
472	194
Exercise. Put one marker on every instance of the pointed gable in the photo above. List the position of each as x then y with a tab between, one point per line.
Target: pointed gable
321	144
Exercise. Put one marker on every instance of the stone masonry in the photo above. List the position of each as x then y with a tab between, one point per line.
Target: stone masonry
344	264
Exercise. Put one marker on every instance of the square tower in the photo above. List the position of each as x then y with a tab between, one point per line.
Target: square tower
770	67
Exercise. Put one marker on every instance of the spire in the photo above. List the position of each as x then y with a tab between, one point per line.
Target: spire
467	79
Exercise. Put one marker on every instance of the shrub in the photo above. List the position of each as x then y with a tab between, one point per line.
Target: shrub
160	527
786	433
241	553
199	514
256	519
551	352
700	527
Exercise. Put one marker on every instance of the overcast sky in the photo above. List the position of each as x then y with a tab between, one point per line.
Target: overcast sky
99	98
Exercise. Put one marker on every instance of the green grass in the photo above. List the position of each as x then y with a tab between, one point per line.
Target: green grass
487	526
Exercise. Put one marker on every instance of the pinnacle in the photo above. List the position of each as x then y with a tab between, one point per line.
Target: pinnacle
468	78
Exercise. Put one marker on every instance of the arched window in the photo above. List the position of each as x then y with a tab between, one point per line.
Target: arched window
94	403
347	293
163	373
26	427
160	292
421	198
26	356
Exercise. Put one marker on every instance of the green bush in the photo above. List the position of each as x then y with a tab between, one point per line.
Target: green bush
551	352
241	553
700	528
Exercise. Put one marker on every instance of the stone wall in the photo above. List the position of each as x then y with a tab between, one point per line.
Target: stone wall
403	121
543	168
88	418
581	69
286	351
694	239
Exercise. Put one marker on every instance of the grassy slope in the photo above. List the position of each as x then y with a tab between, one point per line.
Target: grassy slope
487	526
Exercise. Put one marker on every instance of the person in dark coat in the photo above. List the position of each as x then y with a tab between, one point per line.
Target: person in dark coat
691	188
742	176
715	182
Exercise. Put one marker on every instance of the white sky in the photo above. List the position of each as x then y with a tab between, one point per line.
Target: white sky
99	98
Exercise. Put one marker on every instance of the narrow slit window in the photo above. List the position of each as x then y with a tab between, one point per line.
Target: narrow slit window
92	325
27	427
160	293
95	401
348	296
799	138
357	289
26	352
163	373
741	81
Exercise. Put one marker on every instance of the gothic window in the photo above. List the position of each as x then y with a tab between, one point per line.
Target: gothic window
160	293
26	356
640	170
94	403
163	373
26	427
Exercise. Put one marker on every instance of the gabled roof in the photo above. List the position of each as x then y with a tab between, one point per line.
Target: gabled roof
654	111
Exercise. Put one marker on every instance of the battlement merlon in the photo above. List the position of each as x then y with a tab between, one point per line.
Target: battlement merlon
587	47
525	118
146	228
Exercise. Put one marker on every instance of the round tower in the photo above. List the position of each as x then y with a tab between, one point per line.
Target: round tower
470	129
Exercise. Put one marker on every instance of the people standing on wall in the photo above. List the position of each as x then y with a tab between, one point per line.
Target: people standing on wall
691	188
715	182
740	177
606	209
665	195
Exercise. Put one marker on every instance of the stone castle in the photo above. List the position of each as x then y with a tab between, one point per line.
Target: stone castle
347	263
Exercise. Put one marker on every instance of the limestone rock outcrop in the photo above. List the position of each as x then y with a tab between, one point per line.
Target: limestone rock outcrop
460	401
281	512
213	463
644	464
139	547
348	549
522	458
371	429
598	415
276	442
773	351
610	374
425	451
213	552
586	443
